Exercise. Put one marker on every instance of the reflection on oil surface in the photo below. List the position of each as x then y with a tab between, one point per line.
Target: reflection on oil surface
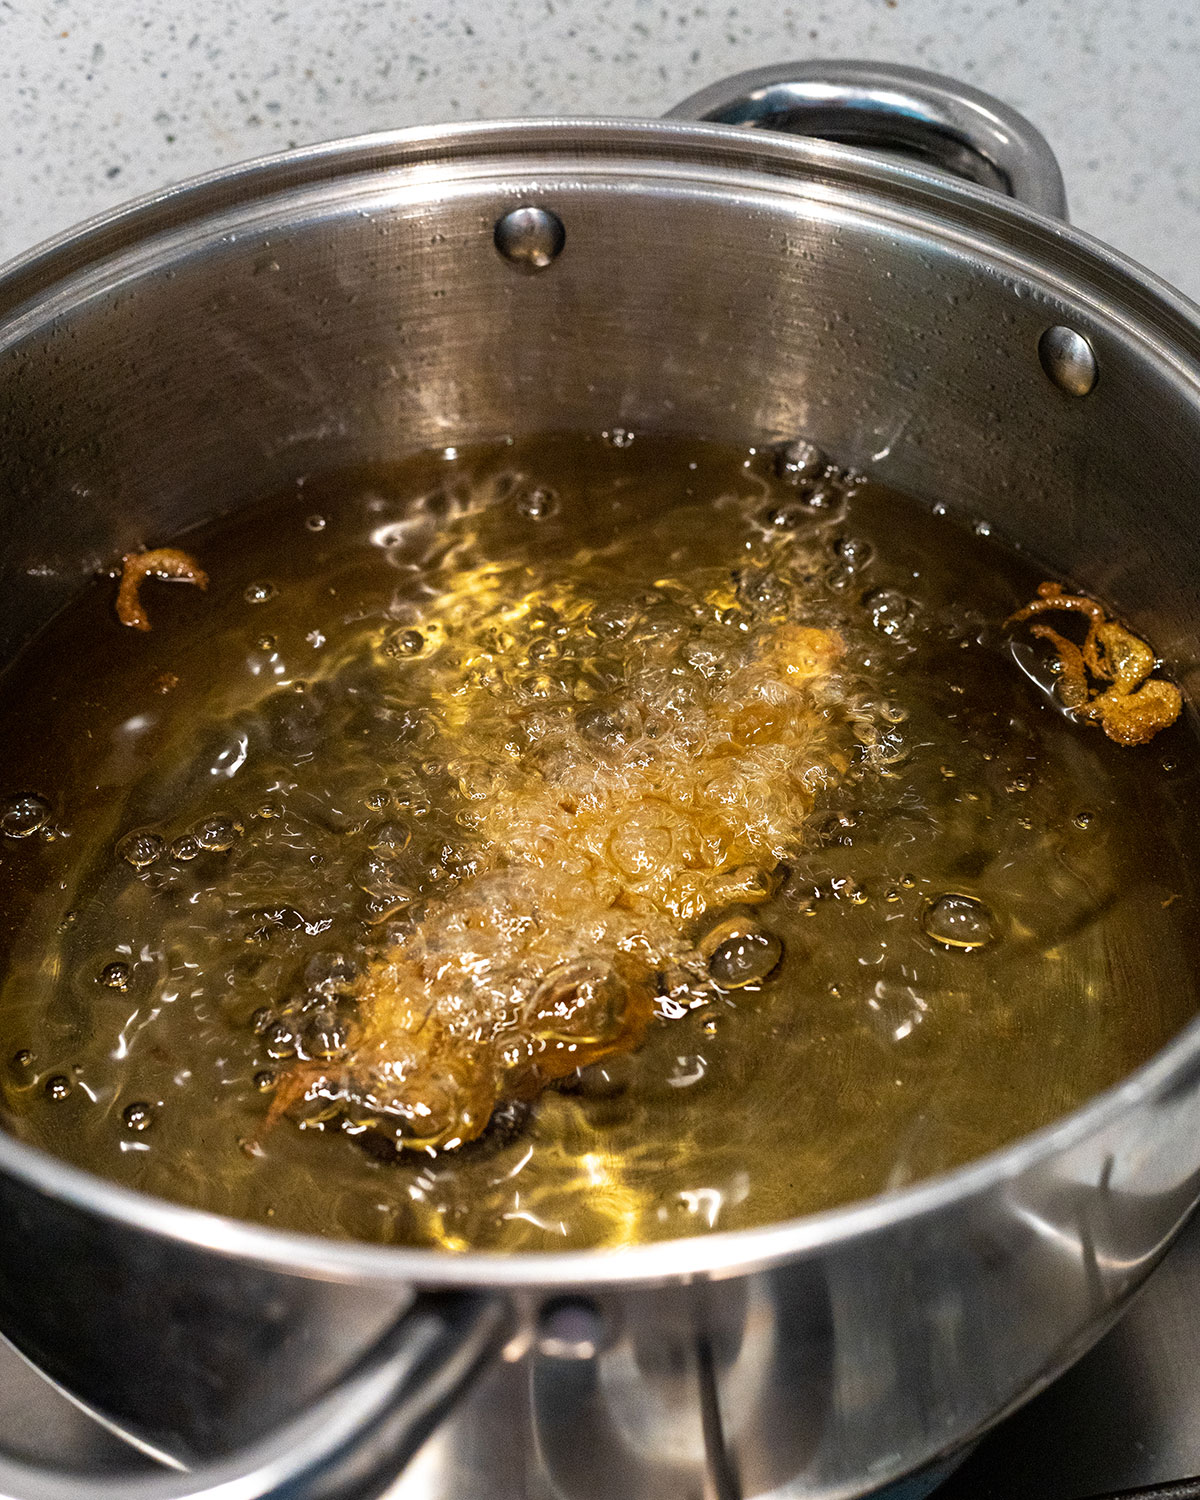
473	768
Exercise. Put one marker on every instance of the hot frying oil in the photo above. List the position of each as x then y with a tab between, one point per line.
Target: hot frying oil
448	744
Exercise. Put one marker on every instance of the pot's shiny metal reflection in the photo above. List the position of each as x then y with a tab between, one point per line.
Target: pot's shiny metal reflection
1069	360
342	304
895	109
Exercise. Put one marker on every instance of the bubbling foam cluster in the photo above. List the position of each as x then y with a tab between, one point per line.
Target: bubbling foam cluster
621	770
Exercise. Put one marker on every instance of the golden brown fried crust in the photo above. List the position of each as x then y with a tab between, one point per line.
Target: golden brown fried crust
160	562
1122	698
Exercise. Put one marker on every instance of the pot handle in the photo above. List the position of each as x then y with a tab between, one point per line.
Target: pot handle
897	110
347	1444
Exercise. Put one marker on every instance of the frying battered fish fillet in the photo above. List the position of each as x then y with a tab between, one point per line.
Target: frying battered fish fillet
621	773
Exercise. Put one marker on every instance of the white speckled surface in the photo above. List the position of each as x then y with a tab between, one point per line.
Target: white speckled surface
101	100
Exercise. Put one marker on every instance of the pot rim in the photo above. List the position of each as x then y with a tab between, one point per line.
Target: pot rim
577	143
1145	305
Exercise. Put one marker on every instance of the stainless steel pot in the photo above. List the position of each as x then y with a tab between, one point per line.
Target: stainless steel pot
343	303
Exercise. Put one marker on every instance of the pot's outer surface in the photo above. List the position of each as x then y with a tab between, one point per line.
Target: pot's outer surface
347	304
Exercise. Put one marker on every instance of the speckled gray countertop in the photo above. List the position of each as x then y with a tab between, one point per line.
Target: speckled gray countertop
101	100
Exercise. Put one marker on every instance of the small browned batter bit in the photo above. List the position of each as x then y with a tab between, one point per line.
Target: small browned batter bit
1123	699
161	562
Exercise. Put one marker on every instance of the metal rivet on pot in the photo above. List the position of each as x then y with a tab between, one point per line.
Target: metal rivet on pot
1069	360
570	1328
530	238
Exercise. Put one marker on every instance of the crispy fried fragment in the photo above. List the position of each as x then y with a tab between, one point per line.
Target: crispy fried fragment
160	562
1134	706
1136	718
1073	690
618	786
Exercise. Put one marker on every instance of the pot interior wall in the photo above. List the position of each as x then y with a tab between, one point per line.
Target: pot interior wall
197	359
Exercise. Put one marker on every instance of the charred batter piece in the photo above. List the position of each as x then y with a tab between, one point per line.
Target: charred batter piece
622	773
1122	698
161	562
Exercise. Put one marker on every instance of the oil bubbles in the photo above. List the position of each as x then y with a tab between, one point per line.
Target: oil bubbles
217	833
138	1116
140	848
853	552
23	815
800	460
741	954
409	643
891	612
280	1041
957	922
536	504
